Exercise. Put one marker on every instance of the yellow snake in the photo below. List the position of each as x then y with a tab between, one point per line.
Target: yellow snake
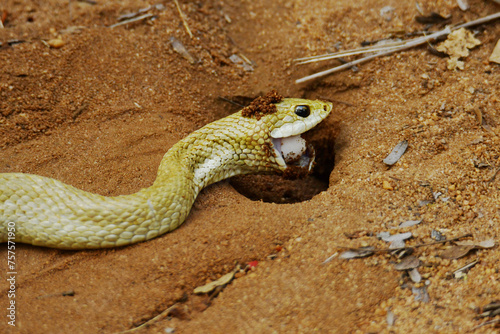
45	212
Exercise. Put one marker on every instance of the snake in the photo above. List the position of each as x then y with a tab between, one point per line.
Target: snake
42	211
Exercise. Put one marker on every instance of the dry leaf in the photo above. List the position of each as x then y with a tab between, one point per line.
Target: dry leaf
409	223
397	237
456	252
415	275
221	281
488	243
409	262
396	244
421	294
396	153
391	318
358	252
495	55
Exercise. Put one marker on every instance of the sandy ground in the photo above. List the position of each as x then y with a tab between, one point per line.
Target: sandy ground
99	113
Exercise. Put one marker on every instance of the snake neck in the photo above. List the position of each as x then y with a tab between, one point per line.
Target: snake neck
232	151
198	167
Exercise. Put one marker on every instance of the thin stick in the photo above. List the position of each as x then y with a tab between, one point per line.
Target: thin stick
70	9
151	321
410	44
330	258
232	102
478	21
494	321
346	52
391	48
493	177
387	250
183	19
466	267
138	18
353	52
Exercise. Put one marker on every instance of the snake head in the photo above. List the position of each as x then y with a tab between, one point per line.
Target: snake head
264	140
292	118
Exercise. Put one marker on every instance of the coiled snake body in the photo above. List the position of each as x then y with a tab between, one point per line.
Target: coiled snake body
47	212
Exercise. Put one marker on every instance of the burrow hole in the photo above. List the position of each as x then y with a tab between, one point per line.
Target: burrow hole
276	189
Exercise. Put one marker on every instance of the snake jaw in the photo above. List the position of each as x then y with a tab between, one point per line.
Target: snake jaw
292	153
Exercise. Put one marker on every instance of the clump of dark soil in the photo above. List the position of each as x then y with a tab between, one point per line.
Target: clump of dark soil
263	105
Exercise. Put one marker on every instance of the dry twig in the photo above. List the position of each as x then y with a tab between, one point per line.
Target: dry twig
138	18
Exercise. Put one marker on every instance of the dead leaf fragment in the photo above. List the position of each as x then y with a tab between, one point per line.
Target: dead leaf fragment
409	223
3	18
462	248
463	5
407	263
240	62
391	318
181	49
456	252
488	243
421	294
220	282
415	275
397	237
396	244
495	55
397	153
357	252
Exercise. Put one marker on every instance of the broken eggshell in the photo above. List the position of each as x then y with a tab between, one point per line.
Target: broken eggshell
295	151
292	148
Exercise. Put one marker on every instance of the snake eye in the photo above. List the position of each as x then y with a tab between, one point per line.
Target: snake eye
302	111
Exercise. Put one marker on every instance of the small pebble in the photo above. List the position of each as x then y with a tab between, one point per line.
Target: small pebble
387	185
56	43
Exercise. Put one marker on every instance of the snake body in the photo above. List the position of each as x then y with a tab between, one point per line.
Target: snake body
47	212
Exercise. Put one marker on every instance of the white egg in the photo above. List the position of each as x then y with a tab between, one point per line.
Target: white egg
292	148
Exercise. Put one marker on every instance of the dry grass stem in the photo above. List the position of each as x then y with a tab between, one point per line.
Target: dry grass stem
138	18
183	19
383	50
151	321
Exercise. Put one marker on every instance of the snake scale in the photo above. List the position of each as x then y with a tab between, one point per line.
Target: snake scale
46	212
